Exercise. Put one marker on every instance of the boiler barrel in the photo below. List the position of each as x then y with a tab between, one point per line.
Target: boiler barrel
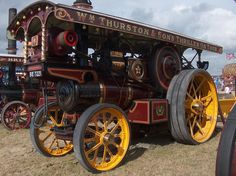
73	97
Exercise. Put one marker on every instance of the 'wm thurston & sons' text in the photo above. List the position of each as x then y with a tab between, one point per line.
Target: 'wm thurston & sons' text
123	26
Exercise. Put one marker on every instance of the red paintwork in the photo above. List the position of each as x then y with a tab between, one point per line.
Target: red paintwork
70	38
71	116
34	68
73	74
140	112
161	107
145	111
30	96
42	100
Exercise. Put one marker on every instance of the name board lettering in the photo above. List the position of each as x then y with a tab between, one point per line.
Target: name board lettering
126	26
11	59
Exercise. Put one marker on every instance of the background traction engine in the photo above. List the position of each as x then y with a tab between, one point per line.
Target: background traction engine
111	74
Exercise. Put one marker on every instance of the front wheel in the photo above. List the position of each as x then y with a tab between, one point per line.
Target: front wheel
101	137
44	131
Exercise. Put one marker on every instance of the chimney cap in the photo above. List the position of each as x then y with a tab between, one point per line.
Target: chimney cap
83	1
83	4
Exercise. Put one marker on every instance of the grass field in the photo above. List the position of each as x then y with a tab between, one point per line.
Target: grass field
155	155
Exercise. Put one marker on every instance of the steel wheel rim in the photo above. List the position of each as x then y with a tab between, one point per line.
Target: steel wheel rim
233	163
17	116
106	139
47	137
201	107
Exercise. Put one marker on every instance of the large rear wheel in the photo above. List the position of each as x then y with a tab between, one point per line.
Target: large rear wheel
43	131
193	106
16	115
101	137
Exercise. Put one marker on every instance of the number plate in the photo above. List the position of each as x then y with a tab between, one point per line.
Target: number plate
35	74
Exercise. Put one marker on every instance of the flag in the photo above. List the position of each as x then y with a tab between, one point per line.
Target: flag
230	56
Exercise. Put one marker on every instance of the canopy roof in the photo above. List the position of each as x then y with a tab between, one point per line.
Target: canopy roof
42	10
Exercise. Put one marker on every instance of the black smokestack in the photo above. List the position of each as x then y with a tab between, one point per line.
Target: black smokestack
12	50
11	43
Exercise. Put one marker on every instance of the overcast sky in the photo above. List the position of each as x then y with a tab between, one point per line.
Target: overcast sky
211	20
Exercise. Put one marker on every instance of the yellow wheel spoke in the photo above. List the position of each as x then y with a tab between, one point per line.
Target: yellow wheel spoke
47	137
191	129
120	149
87	140
190	96
104	154
194	122
201	84
40	131
193	88
52	143
65	142
190	117
207	97
115	128
57	142
109	152
93	131
120	135
206	104
105	126
53	120
96	124
104	122
103	118
110	120
95	155
56	116
94	148
200	128
208	118
195	93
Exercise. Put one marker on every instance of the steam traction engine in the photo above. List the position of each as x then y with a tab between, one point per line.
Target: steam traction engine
111	72
17	93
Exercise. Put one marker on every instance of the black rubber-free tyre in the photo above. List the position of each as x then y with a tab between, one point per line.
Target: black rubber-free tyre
193	106
42	132
101	137
226	154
